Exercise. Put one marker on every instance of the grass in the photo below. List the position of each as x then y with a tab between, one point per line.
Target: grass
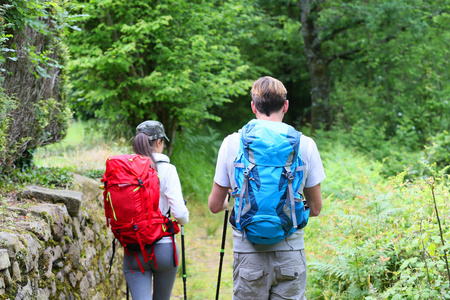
82	149
202	258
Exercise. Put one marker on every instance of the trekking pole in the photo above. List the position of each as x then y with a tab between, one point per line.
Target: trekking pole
184	260
222	248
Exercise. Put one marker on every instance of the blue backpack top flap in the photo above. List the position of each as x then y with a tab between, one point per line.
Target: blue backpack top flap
270	144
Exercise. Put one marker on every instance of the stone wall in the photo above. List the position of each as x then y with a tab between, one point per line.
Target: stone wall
54	245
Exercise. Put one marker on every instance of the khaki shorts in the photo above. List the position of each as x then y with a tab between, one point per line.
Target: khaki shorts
269	275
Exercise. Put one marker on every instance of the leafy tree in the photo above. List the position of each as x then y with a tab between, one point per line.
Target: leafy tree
272	47
166	60
385	55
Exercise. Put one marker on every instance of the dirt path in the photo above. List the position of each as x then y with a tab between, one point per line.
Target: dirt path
202	258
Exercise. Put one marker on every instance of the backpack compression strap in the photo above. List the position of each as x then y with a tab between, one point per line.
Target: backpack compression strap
290	193
304	169
244	190
290	190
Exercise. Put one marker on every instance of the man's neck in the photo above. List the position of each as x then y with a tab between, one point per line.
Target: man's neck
275	116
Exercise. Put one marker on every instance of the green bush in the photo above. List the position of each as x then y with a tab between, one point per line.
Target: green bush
377	238
439	150
195	155
47	177
7	147
393	156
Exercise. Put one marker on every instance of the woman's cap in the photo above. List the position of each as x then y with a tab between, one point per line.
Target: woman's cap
153	129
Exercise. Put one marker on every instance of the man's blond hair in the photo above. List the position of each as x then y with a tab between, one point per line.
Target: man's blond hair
268	94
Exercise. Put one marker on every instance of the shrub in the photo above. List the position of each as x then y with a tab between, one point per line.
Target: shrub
379	238
7	147
195	155
47	177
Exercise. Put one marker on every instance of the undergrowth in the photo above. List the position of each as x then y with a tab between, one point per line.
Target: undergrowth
195	155
394	156
378	238
47	177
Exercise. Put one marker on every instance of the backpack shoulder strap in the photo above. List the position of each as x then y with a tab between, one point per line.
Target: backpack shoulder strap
232	148
304	167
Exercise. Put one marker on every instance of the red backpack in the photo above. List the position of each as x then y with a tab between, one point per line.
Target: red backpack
131	200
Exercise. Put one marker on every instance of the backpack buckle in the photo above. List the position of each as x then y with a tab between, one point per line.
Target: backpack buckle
140	182
289	175
135	227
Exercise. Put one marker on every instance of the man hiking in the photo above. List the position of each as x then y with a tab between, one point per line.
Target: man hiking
268	267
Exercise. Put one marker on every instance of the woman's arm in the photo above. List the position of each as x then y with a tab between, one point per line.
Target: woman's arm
175	197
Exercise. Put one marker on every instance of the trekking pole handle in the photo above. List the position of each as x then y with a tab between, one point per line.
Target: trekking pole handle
228	199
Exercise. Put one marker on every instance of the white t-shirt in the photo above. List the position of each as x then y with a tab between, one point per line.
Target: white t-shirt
224	177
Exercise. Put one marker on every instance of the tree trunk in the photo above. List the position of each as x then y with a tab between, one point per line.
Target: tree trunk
317	65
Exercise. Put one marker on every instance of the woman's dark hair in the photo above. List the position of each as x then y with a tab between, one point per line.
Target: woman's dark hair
142	146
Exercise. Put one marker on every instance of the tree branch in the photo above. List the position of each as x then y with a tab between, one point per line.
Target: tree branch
343	55
342	29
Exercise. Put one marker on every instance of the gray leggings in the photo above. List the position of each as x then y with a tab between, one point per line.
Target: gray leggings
163	277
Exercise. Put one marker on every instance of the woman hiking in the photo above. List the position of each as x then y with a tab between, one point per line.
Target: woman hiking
149	141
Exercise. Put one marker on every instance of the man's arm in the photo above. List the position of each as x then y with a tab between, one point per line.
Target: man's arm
314	199
217	199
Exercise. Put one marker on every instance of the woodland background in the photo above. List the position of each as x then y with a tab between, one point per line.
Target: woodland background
368	80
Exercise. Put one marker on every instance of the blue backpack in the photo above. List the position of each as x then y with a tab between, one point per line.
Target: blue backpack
269	205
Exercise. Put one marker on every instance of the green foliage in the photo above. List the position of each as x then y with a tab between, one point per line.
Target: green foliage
379	239
94	174
16	145
171	60
47	177
393	157
275	47
6	150
394	81
195	155
16	15
439	150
